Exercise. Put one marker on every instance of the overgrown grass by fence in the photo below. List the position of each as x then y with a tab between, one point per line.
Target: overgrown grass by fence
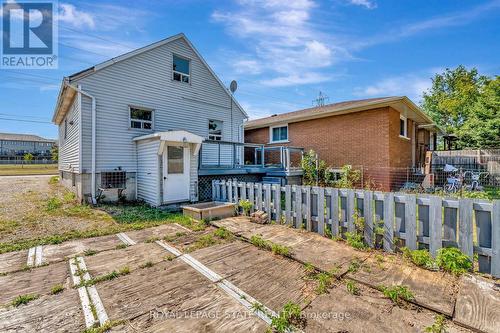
389	218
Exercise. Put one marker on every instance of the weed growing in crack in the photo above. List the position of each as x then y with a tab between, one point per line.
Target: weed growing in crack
397	294
439	325
288	318
58	288
352	288
24	299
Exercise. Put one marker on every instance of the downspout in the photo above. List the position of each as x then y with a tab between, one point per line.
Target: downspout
93	168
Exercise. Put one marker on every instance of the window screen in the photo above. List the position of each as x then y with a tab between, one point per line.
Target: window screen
215	130
175	160
142	119
280	133
180	69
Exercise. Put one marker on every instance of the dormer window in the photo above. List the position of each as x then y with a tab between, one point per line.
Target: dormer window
180	69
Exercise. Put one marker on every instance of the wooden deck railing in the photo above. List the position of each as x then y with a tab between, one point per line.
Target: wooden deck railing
425	221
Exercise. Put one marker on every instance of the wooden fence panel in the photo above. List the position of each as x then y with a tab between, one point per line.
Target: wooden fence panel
465	225
410	222
298	207
334	204
437	222
350	211
389	222
288	204
495	241
435	225
368	215
307	207
277	202
321	211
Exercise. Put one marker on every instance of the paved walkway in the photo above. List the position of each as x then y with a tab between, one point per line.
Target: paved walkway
219	288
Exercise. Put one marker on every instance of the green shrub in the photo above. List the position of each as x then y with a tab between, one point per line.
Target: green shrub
54	180
420	258
246	205
24	299
355	240
325	281
397	294
452	260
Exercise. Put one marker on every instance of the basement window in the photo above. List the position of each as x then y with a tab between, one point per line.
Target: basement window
403	127
279	134
215	130
141	118
181	69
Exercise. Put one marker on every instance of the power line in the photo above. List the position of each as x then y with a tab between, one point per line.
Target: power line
26	121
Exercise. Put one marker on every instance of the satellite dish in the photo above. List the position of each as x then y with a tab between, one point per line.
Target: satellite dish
233	86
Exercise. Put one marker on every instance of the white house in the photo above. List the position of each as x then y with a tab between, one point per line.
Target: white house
136	123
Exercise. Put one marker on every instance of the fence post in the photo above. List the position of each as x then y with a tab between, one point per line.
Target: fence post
389	222
308	208
298	207
229	185
277	202
321	211
334	214
259	196
435	225
411	221
235	191
288	204
214	192
243	191
495	239
368	215
465	210
350	211
224	191
218	191
267	200
251	198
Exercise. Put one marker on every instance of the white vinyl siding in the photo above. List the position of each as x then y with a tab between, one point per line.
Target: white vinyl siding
69	147
146	80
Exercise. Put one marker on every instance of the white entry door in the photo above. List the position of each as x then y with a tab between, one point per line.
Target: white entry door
176	174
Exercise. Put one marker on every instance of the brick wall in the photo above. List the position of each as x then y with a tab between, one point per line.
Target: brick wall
369	139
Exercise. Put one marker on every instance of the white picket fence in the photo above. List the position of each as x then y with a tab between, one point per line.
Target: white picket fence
423	221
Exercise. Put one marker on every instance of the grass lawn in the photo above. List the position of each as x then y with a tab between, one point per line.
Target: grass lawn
28	169
47	213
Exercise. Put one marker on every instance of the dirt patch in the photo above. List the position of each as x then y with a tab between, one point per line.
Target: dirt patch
34	212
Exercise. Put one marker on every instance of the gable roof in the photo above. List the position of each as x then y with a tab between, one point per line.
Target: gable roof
401	103
23	137
128	55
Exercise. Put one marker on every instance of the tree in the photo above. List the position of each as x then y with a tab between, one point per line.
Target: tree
54	152
28	157
466	104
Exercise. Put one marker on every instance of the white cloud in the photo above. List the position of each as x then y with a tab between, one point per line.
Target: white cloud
284	40
365	3
74	17
410	85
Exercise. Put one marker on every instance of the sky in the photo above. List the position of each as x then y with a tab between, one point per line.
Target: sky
282	53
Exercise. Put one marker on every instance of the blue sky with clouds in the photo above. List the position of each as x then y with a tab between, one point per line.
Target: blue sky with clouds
282	53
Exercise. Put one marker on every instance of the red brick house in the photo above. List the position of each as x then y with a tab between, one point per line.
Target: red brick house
383	136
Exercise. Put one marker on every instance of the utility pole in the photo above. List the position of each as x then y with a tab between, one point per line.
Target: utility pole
320	100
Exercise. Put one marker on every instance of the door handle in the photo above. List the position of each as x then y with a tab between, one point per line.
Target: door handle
164	178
